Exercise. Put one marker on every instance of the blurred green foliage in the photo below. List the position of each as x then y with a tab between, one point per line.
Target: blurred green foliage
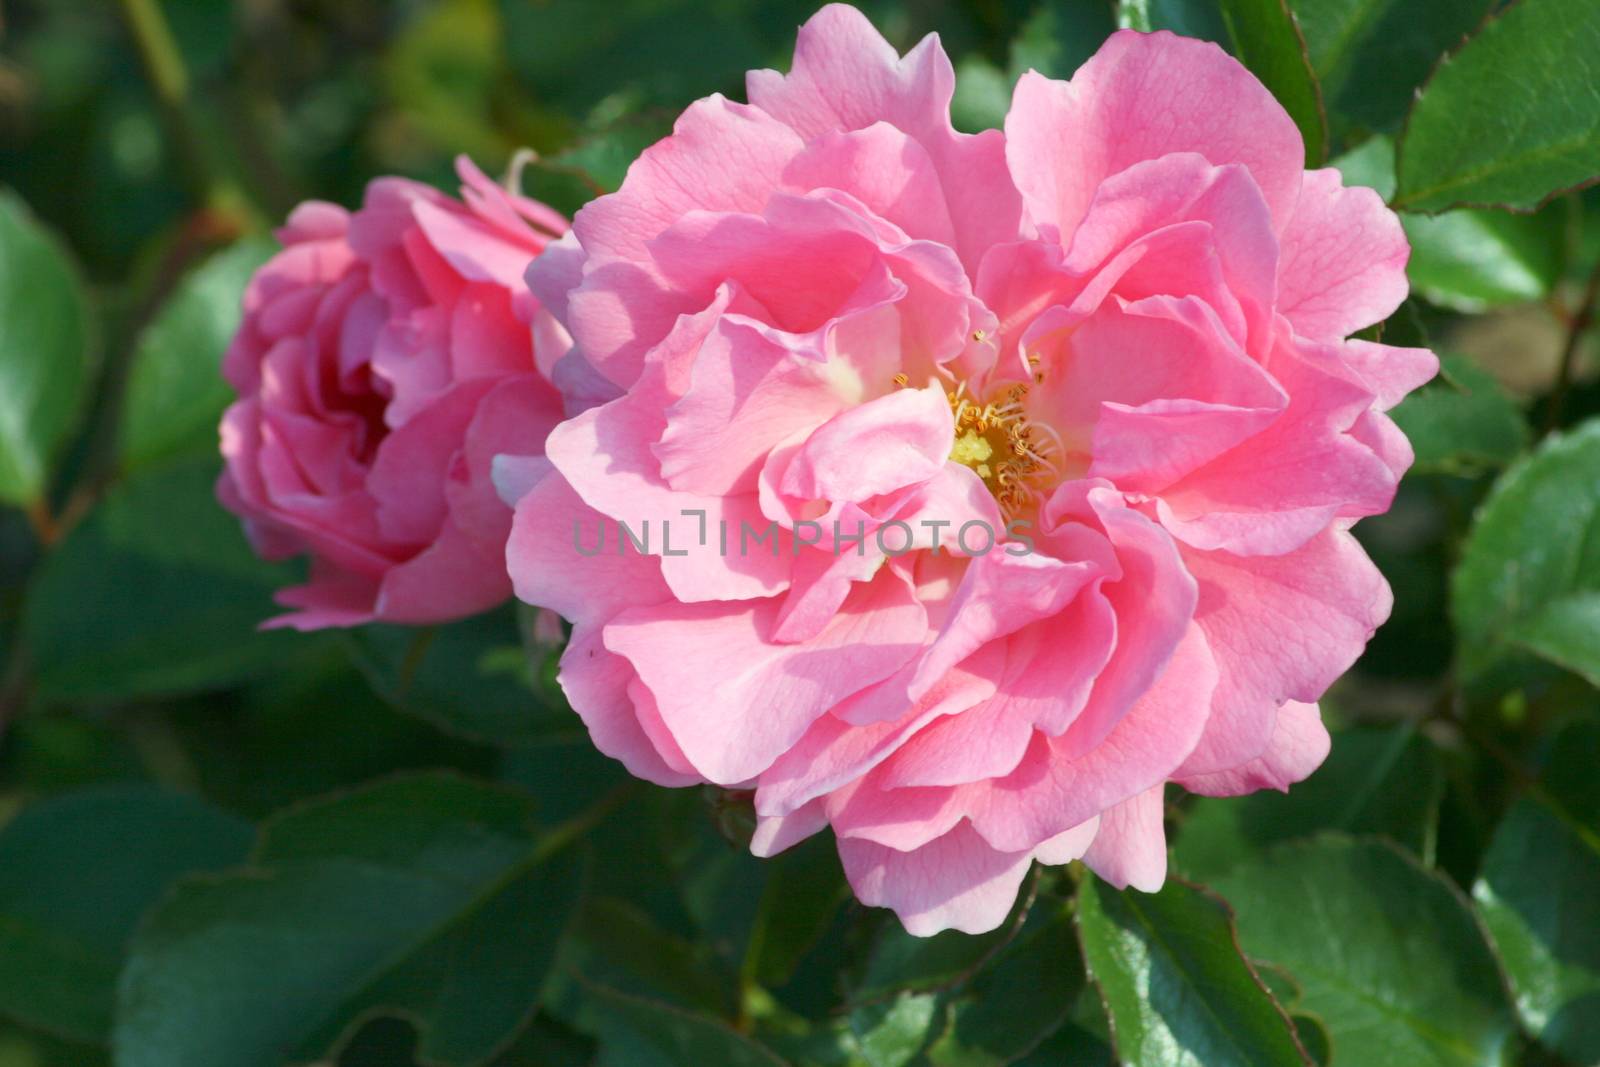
393	847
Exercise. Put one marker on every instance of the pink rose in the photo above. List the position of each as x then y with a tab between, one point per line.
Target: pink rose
1111	337
384	358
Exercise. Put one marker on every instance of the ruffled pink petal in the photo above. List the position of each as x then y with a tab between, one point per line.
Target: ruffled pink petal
1343	265
846	77
957	882
1141	97
596	684
1298	745
1130	845
1050	792
564	555
1282	628
767	694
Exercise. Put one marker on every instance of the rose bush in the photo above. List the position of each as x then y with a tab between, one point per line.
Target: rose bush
1058	430
385	357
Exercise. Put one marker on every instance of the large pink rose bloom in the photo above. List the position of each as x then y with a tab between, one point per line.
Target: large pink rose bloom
1115	329
383	360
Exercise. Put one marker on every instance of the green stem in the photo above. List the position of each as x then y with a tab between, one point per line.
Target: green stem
159	51
169	79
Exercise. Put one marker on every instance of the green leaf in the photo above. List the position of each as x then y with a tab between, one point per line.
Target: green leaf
1539	894
802	893
1267	39
1510	120
1530	567
427	896
899	962
617	945
1017	1001
892	1033
635	1032
1462	422
471	678
1387	954
1377	780
155	592
603	158
76	873
1474	260
546	1043
176	392
1467	260
1370	55
44	351
1177	988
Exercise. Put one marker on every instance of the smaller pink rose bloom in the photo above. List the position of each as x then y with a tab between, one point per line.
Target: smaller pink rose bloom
384	359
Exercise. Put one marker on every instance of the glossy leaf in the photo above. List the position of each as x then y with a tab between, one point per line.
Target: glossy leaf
1539	894
1370	55
1510	120
1387	954
155	592
44	351
1530	569
76	873
427	896
1176	986
176	392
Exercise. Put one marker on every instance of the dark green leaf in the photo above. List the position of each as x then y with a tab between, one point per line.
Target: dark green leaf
1267	39
1530	568
471	678
76	873
176	392
620	947
1511	119
155	592
802	892
44	351
899	961
635	1032
546	1043
1177	988
1376	780
1370	55
1387	954
426	896
1462	422
1539	894
1018	1000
